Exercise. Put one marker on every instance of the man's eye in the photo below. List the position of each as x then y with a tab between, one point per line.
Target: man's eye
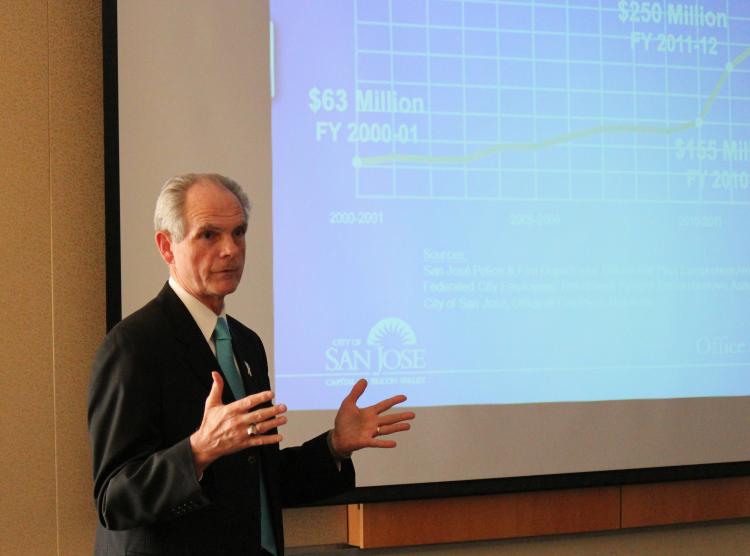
207	234
239	232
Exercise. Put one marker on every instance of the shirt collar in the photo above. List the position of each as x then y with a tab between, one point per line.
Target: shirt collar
204	317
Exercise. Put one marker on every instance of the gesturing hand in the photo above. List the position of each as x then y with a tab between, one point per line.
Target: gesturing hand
226	429
356	428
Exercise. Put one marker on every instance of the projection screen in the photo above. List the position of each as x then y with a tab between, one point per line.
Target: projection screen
529	217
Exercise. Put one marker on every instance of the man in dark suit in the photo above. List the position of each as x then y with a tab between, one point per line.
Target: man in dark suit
182	424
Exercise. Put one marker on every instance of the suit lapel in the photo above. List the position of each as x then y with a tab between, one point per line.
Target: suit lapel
198	356
249	366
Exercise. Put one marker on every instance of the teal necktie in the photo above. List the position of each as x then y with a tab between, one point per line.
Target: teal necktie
225	355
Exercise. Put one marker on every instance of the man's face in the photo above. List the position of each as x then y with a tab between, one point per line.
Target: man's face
209	260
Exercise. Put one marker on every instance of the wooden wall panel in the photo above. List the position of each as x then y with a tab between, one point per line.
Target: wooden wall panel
77	216
52	272
455	520
27	425
712	539
685	501
484	517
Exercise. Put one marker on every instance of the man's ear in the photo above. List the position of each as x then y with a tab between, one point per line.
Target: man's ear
164	244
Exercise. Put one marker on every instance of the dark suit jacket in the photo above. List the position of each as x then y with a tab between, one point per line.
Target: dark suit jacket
150	380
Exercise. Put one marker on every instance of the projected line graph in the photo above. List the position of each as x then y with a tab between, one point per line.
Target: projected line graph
507	100
565	138
550	194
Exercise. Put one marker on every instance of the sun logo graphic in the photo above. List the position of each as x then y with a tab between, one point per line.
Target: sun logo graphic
395	346
391	346
391	332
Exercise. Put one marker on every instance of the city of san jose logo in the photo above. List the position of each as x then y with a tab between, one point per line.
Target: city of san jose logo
391	345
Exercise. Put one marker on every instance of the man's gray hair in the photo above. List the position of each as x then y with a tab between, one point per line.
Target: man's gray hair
169	214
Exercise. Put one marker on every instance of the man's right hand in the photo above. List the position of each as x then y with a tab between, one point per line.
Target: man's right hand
227	429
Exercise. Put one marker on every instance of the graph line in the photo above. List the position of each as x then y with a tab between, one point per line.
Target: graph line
564	138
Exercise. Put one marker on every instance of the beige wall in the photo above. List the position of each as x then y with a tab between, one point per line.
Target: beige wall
52	274
52	303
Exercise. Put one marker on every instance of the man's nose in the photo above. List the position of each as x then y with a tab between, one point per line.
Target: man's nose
229	246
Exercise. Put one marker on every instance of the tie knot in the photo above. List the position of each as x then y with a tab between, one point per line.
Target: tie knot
221	331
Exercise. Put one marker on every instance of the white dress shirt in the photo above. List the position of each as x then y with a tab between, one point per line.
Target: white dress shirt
204	317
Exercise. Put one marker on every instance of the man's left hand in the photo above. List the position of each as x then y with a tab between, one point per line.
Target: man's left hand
356	428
